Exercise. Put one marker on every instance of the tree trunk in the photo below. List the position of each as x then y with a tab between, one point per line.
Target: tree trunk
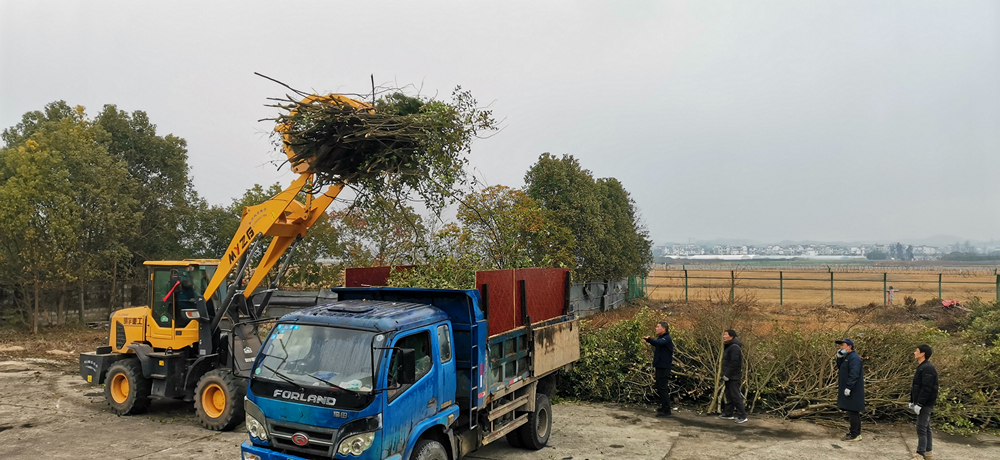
60	310
34	317
114	282
83	290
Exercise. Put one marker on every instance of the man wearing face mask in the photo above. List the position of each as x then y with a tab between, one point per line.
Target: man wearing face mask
850	387
663	357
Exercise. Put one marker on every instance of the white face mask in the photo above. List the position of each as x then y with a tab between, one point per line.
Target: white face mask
841	352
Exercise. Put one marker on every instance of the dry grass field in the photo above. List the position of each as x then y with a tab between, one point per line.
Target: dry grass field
812	287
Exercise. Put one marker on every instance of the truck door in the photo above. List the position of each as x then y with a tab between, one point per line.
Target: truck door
410	404
447	380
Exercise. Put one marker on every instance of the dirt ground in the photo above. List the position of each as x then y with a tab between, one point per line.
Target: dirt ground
47	410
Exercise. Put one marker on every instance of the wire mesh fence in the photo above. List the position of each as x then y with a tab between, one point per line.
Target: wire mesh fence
829	286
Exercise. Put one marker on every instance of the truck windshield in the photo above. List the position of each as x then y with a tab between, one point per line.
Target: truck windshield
320	357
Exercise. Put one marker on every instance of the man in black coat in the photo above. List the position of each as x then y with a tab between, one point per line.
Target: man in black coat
850	387
923	394
732	376
663	360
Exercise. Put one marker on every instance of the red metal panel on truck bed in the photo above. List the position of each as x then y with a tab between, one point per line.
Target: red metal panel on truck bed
503	314
370	276
546	292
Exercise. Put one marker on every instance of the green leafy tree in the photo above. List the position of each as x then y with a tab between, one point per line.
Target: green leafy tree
162	186
66	203
611	241
384	233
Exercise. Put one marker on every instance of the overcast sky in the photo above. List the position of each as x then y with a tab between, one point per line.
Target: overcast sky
767	121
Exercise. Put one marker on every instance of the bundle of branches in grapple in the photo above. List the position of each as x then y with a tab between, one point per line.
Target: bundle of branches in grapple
400	144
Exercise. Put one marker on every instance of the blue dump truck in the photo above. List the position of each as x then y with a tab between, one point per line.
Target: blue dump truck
387	373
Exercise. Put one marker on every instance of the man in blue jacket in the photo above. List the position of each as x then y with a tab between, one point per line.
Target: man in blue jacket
923	394
850	387
663	359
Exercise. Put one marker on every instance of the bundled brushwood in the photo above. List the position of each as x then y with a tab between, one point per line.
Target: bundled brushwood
788	371
398	145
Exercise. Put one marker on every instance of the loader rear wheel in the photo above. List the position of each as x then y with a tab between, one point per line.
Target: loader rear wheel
125	389
218	400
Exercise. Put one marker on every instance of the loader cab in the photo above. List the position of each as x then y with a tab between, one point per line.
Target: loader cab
175	285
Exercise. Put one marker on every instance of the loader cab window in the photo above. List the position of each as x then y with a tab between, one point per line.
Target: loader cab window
421	345
163	311
193	282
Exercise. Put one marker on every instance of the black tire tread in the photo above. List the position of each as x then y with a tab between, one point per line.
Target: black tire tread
528	432
140	387
426	450
234	388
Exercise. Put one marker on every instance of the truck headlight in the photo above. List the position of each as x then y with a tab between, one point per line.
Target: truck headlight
355	445
256	428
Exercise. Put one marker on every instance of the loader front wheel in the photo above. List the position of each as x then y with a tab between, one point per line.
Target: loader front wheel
125	389
218	400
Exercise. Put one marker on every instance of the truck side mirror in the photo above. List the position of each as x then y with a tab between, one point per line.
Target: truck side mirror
407	367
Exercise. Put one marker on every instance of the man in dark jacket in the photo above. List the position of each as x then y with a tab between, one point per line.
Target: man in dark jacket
923	394
732	376
850	387
663	361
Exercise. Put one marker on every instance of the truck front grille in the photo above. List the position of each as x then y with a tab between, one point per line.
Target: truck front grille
321	441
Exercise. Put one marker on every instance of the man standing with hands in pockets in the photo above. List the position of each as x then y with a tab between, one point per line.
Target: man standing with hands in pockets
923	394
850	387
663	360
732	376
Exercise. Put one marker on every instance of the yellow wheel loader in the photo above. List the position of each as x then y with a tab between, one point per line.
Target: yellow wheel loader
196	339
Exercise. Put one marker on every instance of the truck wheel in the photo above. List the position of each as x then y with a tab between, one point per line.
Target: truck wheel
218	400
429	449
514	438
535	433
125	389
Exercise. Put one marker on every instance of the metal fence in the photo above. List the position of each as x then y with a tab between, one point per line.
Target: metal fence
602	295
823	286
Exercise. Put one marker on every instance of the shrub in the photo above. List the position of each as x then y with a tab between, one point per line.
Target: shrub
789	371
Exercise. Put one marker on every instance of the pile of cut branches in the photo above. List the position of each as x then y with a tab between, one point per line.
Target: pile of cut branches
395	146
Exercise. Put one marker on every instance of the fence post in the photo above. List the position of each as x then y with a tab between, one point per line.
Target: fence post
781	288
939	287
998	287
831	288
685	285
885	285
732	285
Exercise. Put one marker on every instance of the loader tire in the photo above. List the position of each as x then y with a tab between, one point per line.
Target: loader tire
125	389
218	400
535	434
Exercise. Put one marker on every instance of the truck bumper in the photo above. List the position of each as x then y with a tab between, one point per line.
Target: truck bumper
251	452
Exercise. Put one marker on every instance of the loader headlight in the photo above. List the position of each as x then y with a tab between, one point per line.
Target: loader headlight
357	444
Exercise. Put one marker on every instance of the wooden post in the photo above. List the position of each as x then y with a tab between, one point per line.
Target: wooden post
732	286
685	285
781	288
831	288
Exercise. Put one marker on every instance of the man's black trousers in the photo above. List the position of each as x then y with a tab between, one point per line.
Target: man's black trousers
663	388
734	400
